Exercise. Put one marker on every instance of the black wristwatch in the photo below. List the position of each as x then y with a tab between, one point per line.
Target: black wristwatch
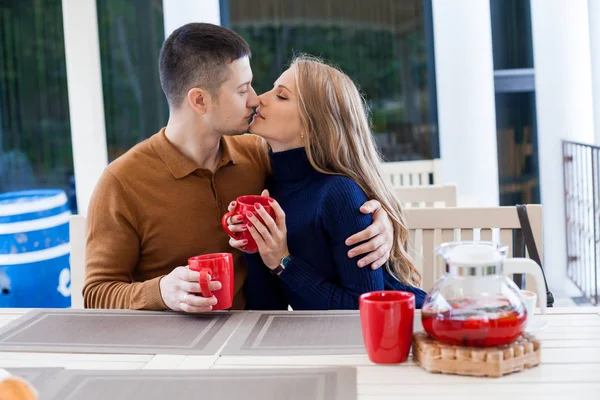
282	265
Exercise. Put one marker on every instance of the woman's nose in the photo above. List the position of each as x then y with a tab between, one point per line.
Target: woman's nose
261	99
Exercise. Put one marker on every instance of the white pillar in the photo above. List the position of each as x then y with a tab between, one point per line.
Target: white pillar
563	81
466	103
86	105
177	13
594	17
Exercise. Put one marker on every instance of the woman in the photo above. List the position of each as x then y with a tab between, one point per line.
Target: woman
325	166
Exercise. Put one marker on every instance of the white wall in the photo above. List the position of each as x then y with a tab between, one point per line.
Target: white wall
86	105
177	13
466	103
561	47
594	18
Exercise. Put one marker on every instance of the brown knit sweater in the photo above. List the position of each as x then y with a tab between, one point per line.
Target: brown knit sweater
153	208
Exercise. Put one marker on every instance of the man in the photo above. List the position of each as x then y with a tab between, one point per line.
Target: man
162	201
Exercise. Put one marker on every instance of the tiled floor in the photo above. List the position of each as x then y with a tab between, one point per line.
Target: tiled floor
565	297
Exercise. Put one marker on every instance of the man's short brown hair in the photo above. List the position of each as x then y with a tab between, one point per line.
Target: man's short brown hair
196	55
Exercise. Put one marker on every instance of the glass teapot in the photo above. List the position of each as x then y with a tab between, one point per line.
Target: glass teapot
475	303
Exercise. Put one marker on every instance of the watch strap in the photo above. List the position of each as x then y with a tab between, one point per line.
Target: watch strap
282	264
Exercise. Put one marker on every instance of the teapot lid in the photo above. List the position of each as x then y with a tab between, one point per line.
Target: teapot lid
473	258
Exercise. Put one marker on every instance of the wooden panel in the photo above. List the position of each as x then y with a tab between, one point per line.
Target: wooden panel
439	266
535	219
466	235
428	263
448	235
486	235
419	166
449	217
427	195
506	237
415	244
451	196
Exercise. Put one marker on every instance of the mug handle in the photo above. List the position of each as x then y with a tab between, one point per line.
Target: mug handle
204	281
528	266
226	227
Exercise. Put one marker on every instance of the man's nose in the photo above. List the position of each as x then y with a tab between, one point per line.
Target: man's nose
253	99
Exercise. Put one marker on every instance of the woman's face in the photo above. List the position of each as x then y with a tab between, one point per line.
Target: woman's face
277	118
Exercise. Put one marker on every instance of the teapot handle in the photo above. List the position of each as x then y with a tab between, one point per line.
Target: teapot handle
528	266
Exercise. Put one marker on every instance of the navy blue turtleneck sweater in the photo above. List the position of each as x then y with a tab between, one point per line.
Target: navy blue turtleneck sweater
322	211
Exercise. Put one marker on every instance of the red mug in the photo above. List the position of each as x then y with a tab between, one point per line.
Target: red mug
245	204
220	268
386	318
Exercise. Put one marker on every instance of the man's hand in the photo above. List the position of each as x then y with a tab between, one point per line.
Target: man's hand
380	236
181	288
235	225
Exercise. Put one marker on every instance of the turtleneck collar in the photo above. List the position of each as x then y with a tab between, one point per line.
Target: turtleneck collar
291	165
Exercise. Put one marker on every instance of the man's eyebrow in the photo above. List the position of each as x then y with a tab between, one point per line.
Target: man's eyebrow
243	84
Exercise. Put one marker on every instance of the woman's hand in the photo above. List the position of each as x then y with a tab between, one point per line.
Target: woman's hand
271	237
235	225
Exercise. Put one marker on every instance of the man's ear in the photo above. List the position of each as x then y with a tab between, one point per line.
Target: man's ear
199	100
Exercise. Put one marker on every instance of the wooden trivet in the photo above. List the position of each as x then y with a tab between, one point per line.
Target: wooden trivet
523	353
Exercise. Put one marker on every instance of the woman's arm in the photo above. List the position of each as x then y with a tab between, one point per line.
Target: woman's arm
264	290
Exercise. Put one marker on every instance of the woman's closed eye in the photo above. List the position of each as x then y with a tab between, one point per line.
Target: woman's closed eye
281	97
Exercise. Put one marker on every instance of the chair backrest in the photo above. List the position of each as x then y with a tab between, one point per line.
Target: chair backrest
77	238
427	196
430	227
412	173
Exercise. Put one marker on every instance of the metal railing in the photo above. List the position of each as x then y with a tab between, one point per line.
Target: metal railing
582	216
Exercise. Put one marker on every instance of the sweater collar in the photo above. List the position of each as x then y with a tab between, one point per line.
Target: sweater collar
291	165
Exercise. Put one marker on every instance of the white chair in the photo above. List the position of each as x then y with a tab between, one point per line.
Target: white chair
78	237
412	173
427	196
430	227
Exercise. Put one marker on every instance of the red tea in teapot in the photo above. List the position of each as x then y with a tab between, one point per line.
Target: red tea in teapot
481	322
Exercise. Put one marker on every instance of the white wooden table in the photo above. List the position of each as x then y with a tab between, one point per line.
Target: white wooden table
570	365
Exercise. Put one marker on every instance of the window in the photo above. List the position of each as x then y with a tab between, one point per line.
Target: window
131	34
384	45
35	135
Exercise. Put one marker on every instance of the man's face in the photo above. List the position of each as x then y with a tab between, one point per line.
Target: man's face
236	98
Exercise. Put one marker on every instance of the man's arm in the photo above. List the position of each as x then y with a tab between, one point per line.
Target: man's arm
112	253
379	237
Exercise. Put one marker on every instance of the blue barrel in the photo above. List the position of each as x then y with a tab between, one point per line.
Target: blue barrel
34	249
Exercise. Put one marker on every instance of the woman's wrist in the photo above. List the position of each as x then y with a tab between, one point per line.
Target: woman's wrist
278	269
276	260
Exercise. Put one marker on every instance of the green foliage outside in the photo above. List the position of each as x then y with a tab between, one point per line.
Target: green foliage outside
35	138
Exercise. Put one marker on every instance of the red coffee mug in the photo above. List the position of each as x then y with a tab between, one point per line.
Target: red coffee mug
220	268
386	318
246	204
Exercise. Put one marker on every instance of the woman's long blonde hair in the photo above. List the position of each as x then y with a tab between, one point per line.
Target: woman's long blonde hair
338	140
